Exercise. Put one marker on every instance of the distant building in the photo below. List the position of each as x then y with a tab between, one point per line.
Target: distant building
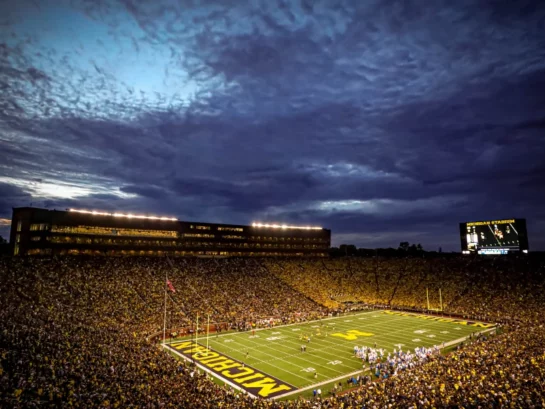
37	231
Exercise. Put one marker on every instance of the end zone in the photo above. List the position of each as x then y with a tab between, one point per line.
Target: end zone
458	321
235	373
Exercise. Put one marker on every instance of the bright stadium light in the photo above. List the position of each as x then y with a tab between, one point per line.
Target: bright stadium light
284	226
129	215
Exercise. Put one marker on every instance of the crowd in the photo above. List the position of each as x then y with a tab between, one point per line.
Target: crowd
74	332
241	292
488	288
383	366
506	371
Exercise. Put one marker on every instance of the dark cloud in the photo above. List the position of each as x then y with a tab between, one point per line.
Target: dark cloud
10	196
382	120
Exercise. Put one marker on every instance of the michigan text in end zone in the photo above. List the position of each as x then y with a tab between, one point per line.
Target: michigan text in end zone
232	372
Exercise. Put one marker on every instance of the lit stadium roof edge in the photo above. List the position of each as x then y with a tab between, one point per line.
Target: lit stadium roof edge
127	215
136	216
285	226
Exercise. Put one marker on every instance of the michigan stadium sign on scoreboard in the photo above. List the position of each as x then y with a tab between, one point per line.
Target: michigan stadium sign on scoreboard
494	236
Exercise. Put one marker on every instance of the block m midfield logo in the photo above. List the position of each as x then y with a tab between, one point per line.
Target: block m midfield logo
234	373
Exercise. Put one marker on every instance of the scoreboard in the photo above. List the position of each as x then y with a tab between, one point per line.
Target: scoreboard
494	236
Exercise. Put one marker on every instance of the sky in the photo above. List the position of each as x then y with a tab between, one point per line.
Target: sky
384	121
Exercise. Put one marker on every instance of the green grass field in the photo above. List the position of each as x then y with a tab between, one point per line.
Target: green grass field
270	363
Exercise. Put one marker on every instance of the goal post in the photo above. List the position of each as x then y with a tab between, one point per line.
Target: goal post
440	300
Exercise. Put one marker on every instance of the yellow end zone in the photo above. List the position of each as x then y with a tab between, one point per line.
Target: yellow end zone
237	374
441	319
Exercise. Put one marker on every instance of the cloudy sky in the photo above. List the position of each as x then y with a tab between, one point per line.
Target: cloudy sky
385	121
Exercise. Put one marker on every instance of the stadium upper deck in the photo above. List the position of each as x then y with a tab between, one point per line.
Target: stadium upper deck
36	231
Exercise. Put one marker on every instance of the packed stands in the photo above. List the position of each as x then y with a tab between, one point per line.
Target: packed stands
78	332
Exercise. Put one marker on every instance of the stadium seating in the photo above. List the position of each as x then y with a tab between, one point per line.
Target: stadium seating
76	332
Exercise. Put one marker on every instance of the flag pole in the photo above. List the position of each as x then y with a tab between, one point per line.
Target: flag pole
165	316
207	333
197	331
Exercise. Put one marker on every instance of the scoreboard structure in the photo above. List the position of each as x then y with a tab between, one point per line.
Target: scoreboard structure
494	236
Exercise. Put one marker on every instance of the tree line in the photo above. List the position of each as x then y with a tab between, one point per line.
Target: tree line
405	249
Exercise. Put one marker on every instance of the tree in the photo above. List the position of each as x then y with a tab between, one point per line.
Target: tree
4	246
335	252
404	245
348	249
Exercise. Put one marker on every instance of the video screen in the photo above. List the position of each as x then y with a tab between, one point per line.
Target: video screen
498	236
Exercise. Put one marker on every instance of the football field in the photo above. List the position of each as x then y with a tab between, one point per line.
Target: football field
271	364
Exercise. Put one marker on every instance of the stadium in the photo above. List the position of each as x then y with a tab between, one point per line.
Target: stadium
118	330
272	204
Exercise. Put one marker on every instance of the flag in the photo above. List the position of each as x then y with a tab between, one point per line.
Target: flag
170	286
